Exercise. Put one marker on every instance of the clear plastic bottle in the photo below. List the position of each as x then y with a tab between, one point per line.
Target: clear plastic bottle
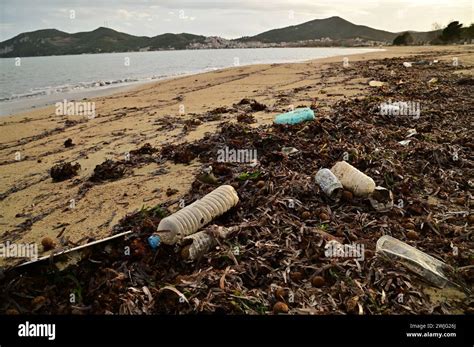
426	266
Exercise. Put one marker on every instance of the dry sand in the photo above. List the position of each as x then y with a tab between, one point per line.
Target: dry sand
125	121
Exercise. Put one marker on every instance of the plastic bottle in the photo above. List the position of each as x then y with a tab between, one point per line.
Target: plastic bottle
294	117
352	179
329	183
426	266
381	199
196	245
193	217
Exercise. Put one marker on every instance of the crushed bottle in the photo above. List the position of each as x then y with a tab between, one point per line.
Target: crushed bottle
196	245
329	183
424	265
381	199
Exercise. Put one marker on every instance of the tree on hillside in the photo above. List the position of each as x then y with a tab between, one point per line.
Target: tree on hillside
452	32
403	39
468	33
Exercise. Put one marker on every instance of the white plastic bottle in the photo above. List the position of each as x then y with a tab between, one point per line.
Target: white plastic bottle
191	218
352	179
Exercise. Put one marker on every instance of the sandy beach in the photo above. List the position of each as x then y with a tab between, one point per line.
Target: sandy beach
72	212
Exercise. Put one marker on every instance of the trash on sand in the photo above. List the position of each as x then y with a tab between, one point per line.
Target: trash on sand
411	132
376	83
154	241
381	199
433	80
407	64
294	117
352	179
329	183
75	249
207	176
289	150
193	217
426	266
404	142
196	245
392	108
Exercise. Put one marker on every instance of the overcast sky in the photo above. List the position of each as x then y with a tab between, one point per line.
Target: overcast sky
226	18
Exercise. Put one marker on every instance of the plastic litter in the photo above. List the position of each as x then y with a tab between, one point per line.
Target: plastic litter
154	241
386	109
294	117
196	245
289	150
424	265
407	64
411	132
54	256
352	179
193	217
404	142
207	176
329	183
381	199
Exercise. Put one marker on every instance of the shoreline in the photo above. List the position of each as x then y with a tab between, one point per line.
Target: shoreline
21	105
33	206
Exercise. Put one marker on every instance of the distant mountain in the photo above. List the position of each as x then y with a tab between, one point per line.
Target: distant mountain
105	40
335	28
101	40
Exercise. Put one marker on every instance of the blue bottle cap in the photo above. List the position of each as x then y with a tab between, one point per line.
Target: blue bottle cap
154	241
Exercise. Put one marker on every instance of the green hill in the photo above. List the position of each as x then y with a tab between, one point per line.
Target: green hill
335	28
105	40
101	40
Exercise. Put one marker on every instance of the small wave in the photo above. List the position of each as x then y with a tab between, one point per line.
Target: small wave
61	89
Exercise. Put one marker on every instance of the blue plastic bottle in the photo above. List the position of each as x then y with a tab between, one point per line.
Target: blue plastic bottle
294	117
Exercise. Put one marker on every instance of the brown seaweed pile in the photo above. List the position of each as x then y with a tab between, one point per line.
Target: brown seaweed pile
63	171
276	263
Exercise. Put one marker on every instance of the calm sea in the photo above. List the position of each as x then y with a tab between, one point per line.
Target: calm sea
36	81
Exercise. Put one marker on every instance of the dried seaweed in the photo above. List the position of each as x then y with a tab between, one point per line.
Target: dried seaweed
279	263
